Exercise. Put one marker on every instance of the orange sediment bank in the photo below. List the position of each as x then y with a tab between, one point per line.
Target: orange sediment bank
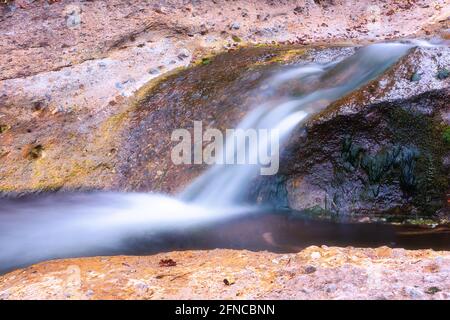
314	273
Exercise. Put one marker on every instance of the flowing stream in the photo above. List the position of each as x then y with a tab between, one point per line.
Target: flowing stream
226	185
61	225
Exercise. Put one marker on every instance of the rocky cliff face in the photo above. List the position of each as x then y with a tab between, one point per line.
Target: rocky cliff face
65	92
381	149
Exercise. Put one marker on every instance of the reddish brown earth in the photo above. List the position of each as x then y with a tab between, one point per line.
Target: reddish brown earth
314	273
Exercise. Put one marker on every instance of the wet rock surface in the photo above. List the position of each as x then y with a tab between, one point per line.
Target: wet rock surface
386	159
314	273
381	149
218	93
393	148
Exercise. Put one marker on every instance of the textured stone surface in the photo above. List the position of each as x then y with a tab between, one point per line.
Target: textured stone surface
70	68
314	273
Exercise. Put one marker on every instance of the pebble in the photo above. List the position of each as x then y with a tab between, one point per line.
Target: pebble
315	255
58	109
235	26
431	279
89	293
4	296
184	53
330	288
73	17
142	286
414	293
310	269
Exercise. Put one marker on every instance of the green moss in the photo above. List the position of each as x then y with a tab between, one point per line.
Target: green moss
443	74
146	90
427	173
35	152
206	61
421	222
416	77
315	212
446	135
236	38
411	157
4	128
432	290
381	164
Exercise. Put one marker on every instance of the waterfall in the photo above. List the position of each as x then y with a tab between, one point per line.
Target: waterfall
227	184
86	224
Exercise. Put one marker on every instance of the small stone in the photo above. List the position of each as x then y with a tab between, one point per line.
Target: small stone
431	278
235	26
184	53
310	269
58	109
330	288
315	255
102	64
73	16
298	10
416	77
153	71
142	286
228	281
160	10
383	252
414	293
4	296
443	74
89	293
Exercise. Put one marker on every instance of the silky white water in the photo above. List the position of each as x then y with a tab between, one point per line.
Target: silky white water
85	224
226	185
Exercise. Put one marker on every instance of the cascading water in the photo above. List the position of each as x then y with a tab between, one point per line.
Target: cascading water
226	185
86	224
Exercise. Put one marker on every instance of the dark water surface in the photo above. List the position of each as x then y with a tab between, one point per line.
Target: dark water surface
42	228
281	232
